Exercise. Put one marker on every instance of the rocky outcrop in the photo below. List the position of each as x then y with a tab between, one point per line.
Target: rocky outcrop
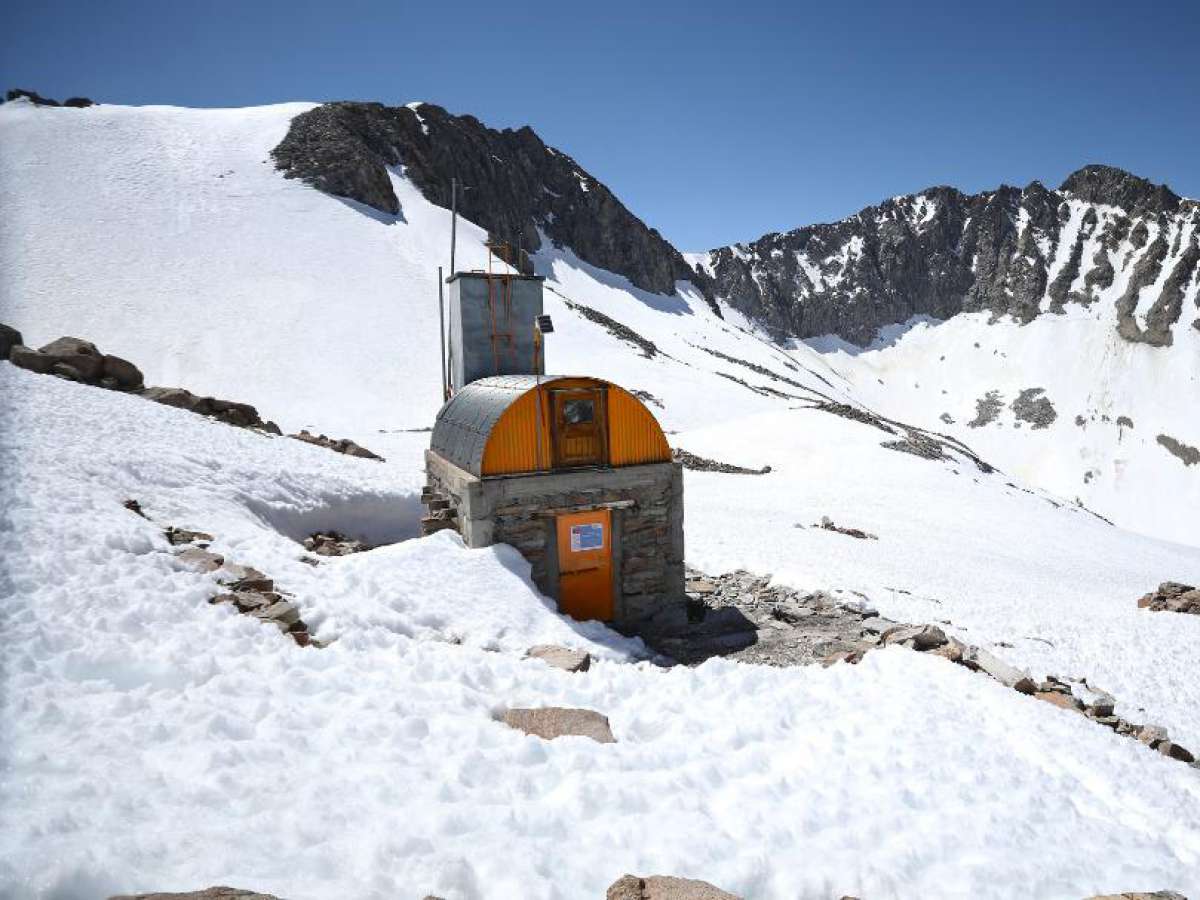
703	464
1171	596
1019	252
338	445
241	415
38	100
1186	453
212	893
73	359
9	338
550	722
518	188
665	887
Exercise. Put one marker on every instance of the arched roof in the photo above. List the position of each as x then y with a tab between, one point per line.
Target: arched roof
505	407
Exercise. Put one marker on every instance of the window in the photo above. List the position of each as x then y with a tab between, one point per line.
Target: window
578	412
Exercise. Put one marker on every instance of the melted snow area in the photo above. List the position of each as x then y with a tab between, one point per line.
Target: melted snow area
152	741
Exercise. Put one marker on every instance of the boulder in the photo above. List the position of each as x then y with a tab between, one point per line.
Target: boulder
176	536
550	722
9	338
70	373
26	358
1152	735
126	374
665	887
1059	699
919	637
281	611
77	353
561	657
177	397
212	893
1174	751
1009	676
200	560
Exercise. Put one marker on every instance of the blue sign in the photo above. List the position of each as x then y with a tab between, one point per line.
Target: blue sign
587	537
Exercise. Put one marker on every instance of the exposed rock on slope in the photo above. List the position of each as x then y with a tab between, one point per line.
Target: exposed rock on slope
1013	251
518	188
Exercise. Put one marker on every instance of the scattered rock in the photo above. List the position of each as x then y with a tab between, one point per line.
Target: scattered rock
177	536
200	560
9	338
342	445
212	893
828	524
918	637
1061	700
550	722
1174	751
561	657
987	409
1171	596
1141	895
976	658
665	887
703	464
1189	455
26	358
334	543
1032	408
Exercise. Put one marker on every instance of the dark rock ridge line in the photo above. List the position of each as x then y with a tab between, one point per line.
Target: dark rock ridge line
74	359
38	100
1020	252
519	189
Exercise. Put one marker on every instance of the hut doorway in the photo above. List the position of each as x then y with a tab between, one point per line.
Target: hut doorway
585	589
579	434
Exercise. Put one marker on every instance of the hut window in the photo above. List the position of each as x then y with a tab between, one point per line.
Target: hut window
579	412
580	438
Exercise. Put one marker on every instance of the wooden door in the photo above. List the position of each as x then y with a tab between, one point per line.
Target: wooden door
580	437
585	588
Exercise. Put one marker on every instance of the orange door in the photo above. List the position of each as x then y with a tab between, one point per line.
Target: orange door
585	565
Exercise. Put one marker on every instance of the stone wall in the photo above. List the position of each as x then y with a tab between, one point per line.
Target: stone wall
647	523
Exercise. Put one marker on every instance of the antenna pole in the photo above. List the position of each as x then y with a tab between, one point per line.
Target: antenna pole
453	220
442	334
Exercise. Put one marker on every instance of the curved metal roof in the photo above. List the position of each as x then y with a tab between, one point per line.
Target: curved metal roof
464	425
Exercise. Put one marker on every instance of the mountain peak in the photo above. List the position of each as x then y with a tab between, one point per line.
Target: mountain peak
1097	183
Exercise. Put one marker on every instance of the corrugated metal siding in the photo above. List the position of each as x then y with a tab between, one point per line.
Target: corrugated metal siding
490	426
634	435
513	445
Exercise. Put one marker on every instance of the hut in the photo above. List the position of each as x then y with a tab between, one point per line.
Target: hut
575	473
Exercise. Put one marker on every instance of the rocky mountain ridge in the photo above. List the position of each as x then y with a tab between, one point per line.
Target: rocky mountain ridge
1103	235
518	188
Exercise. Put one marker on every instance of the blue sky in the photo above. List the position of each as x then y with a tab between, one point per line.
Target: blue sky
713	122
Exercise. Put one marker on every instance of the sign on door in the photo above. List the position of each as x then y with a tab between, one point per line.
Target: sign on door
588	536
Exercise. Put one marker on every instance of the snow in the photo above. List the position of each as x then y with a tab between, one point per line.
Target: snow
153	741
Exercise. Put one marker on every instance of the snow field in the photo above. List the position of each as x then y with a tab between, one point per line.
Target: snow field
155	741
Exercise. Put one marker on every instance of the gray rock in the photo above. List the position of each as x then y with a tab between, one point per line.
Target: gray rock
126	374
280	611
1009	676
919	637
77	353
212	893
665	887
200	560
9	338
561	657
1174	751
550	722
1152	734
26	358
